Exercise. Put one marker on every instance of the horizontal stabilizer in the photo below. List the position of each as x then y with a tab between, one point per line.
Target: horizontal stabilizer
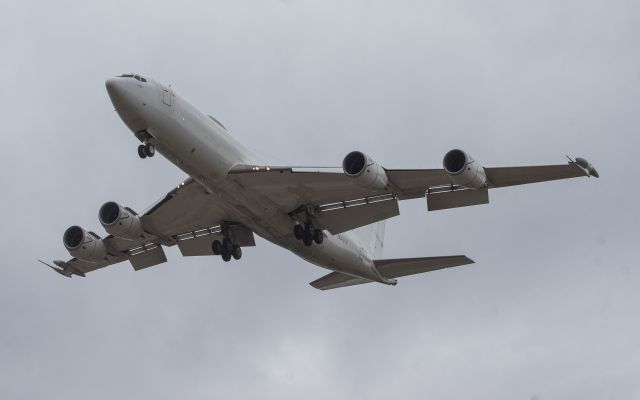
336	280
397	267
392	268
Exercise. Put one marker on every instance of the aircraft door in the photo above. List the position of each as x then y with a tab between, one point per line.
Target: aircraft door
166	96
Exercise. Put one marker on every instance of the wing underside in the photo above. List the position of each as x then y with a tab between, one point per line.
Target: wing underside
340	204
187	216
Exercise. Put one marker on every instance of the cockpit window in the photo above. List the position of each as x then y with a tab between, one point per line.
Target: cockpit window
217	122
136	77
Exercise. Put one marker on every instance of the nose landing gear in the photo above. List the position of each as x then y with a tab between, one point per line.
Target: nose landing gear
146	150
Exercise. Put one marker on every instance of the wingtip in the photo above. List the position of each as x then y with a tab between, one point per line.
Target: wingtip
58	270
587	167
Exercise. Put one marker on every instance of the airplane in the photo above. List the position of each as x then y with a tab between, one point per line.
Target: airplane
331	217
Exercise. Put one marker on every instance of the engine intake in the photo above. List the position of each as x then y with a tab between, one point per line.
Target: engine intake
120	221
464	170
367	173
84	245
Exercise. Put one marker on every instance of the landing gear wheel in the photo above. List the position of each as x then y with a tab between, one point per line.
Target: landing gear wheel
216	246
298	231
236	252
226	245
149	149
142	152
307	239
318	237
226	249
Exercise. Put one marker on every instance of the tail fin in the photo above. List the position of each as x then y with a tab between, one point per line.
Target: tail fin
371	238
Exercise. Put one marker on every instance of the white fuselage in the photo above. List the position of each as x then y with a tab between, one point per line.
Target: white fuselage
199	146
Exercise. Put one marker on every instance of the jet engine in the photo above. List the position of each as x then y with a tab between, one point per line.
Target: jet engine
84	245
367	173
120	221
464	170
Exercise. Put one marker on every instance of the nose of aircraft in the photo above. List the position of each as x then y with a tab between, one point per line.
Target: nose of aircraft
129	101
116	87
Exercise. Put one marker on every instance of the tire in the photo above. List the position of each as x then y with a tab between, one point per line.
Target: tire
216	246
149	149
142	152
226	257
318	237
298	231
226	246
236	252
307	239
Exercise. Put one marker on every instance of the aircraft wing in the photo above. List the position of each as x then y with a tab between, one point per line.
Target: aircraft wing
511	176
339	203
293	186
187	216
330	189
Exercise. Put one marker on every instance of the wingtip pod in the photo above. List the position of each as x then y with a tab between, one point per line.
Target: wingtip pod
587	167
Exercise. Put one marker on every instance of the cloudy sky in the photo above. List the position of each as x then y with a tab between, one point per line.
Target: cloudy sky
549	310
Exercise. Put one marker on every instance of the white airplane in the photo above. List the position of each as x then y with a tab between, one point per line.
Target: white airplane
331	217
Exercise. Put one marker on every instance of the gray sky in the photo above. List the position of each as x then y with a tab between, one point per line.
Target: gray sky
548	311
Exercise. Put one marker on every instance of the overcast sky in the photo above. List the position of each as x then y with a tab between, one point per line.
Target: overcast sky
549	310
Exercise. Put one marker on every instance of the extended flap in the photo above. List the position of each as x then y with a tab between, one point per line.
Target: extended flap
456	198
199	243
344	219
242	236
199	246
148	258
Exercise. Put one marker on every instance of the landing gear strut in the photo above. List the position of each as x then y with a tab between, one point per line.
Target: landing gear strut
226	248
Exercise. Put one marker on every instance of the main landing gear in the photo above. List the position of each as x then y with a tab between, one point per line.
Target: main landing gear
226	248
308	234
146	150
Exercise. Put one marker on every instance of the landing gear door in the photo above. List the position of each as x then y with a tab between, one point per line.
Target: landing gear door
166	96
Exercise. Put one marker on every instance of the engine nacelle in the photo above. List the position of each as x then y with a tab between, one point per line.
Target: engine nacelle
120	221
84	245
367	173
464	170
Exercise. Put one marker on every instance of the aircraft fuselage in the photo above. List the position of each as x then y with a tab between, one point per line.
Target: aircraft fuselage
203	149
